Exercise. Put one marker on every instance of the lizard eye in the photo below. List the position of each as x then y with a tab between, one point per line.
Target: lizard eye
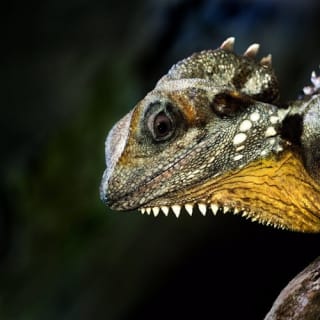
161	126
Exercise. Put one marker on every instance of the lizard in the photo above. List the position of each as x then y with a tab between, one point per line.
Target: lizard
213	134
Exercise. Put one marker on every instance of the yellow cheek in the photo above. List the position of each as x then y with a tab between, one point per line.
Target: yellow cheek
276	191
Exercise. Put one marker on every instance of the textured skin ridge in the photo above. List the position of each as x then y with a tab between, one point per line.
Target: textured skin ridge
211	134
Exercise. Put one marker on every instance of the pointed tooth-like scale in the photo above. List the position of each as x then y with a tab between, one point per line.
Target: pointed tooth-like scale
155	211
225	209
142	210
189	208
267	60
148	210
252	50
165	210
176	210
315	80
214	208
228	44
308	90
245	213
236	211
202	208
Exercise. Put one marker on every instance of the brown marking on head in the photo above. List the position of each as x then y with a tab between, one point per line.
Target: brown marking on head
229	102
187	102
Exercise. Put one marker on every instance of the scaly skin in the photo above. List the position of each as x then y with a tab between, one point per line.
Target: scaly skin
211	133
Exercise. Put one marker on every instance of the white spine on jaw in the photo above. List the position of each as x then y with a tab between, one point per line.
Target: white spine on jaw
255	116
245	125
270	132
239	138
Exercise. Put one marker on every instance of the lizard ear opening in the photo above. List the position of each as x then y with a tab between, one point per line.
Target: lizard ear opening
229	103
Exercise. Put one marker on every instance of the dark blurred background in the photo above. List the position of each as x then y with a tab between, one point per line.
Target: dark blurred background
70	69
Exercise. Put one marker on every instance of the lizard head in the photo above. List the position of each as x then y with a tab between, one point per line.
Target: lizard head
208	134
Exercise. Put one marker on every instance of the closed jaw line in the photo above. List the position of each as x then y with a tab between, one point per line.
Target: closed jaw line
203	208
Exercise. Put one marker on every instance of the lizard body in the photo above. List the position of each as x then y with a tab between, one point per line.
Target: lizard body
212	134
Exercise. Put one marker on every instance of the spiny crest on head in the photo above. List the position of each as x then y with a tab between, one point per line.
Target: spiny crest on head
251	51
222	67
315	87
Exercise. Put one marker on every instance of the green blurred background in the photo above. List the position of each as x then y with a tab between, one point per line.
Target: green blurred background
70	69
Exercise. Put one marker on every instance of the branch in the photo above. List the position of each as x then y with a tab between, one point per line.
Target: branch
300	299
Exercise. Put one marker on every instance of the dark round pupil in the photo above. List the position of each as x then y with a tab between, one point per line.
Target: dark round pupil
162	125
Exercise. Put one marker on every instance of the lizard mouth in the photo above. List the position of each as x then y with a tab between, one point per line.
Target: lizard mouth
205	209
